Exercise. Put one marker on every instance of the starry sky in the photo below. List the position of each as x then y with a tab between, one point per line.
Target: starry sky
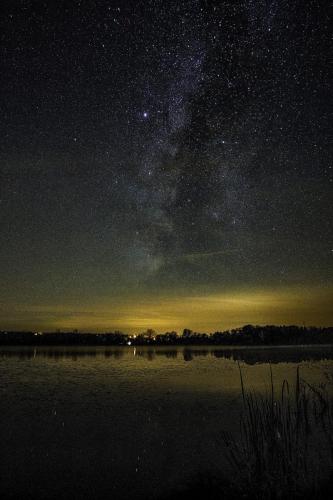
165	164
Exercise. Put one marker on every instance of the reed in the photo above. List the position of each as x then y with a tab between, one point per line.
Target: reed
285	445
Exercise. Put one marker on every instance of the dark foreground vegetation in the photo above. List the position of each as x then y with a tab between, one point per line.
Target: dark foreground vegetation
284	449
247	335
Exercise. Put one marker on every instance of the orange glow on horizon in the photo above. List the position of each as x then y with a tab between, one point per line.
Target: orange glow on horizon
205	313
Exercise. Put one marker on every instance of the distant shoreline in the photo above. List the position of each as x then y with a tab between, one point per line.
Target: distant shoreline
246	336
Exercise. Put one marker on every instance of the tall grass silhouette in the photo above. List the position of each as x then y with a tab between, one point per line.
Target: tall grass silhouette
285	446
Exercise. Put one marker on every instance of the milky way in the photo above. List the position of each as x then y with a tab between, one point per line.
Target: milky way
161	148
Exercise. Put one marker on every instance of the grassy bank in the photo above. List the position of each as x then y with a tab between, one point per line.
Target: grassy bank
284	448
285	445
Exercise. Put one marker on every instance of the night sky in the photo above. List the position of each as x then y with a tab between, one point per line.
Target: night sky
165	164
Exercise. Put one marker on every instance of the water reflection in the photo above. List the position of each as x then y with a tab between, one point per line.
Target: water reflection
289	354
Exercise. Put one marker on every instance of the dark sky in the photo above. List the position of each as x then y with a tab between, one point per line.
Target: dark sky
165	161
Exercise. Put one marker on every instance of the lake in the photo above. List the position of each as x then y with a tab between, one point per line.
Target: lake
124	422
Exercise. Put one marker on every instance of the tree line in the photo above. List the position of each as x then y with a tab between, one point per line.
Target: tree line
246	335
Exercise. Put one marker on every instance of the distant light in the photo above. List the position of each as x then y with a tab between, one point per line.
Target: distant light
129	343
145	114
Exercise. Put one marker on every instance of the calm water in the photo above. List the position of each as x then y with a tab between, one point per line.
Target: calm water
127	422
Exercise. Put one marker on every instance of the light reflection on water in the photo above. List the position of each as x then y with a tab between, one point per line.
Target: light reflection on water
249	355
125	418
